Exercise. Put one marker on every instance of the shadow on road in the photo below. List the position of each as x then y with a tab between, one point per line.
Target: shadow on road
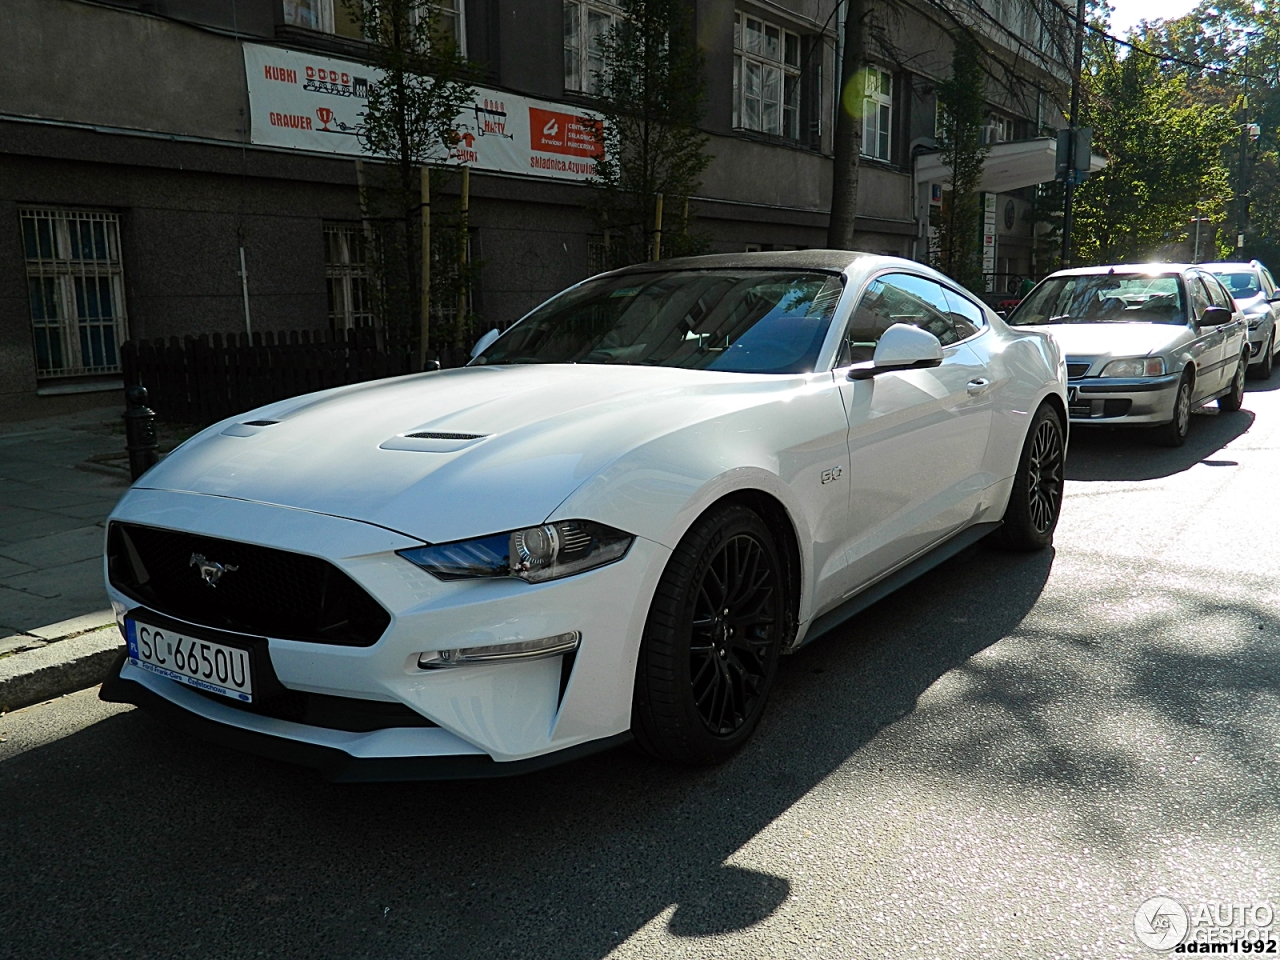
127	840
1102	453
128	834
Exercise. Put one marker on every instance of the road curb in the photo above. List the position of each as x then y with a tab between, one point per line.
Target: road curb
59	668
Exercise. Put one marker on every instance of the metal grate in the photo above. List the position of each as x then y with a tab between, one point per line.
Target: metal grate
75	287
347	276
439	435
261	591
1077	370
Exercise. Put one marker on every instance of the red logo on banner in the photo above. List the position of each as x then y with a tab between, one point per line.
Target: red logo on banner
553	132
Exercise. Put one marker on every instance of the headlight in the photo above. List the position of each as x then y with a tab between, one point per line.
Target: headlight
1135	367
546	552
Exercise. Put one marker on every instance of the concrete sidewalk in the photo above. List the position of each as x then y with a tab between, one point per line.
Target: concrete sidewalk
52	515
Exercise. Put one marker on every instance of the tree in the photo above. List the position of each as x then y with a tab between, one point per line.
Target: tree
962	104
847	136
1164	158
649	107
409	122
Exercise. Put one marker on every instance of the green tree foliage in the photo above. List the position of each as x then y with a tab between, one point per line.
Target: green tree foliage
962	104
409	122
1164	155
1227	52
650	104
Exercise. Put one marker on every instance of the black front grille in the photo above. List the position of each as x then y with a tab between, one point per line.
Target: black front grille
272	593
332	713
1077	370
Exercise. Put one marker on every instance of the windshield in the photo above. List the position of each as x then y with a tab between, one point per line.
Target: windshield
741	321
1241	284
1104	298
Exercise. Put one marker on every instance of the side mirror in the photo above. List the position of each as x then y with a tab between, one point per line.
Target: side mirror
901	347
1215	316
1275	296
484	343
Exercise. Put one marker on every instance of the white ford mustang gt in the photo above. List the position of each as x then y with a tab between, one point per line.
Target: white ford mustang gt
609	525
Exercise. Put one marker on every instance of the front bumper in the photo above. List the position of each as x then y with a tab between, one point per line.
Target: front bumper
1257	341
1123	402
496	714
385	755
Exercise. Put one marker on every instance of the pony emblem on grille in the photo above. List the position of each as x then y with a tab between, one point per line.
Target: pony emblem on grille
210	570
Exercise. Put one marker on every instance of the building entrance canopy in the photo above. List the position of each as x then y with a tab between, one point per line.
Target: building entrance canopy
1009	166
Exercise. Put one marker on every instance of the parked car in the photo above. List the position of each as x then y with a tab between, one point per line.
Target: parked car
610	524
1146	344
1256	296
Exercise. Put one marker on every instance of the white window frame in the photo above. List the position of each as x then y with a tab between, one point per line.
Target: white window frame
76	302
766	82
347	275
877	114
309	14
585	24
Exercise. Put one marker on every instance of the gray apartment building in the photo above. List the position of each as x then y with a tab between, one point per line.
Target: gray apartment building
178	167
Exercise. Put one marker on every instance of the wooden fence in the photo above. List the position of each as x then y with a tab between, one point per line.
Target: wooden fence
203	379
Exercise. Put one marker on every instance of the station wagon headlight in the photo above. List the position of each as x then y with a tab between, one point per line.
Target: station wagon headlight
545	552
1135	367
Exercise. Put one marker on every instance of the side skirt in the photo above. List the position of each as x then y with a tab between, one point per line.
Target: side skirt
904	575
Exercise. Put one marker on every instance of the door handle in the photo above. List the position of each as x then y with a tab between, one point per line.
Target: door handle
977	386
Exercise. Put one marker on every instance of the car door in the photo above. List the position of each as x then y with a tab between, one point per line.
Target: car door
1234	334
917	438
1207	348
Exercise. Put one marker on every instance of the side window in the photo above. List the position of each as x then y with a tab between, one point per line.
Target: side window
965	314
897	298
1199	299
1268	281
1218	294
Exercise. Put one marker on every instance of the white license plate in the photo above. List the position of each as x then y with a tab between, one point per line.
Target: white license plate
1073	394
200	663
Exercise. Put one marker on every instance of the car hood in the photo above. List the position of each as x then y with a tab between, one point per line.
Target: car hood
541	431
1114	339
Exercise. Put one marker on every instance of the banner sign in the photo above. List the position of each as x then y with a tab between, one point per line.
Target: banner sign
307	101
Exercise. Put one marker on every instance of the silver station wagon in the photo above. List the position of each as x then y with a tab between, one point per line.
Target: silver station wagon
1145	344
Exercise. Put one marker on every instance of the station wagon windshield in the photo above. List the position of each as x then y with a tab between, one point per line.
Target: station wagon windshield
740	321
1103	298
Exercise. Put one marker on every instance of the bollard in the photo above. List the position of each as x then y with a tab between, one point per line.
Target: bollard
139	431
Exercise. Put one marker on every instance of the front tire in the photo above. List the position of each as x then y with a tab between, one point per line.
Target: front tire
1036	500
1174	433
1233	399
709	655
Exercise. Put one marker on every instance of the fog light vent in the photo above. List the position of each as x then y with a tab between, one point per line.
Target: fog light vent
555	646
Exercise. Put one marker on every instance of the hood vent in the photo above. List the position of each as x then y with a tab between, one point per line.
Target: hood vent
440	435
433	441
248	428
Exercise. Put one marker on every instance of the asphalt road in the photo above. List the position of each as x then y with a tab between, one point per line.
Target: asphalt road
1004	760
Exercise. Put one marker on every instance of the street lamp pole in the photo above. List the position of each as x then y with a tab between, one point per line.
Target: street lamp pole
1069	188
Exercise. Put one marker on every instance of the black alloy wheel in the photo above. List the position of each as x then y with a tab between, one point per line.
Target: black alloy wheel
720	617
734	620
1035	502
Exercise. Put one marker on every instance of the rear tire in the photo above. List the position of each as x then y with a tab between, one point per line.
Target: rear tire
1174	433
1233	399
709	655
1036	500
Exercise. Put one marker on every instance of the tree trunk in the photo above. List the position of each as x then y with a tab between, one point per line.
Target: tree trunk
848	133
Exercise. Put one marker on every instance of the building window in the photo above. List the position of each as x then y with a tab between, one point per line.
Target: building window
766	77
877	114
1002	128
75	284
585	27
310	14
346	273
